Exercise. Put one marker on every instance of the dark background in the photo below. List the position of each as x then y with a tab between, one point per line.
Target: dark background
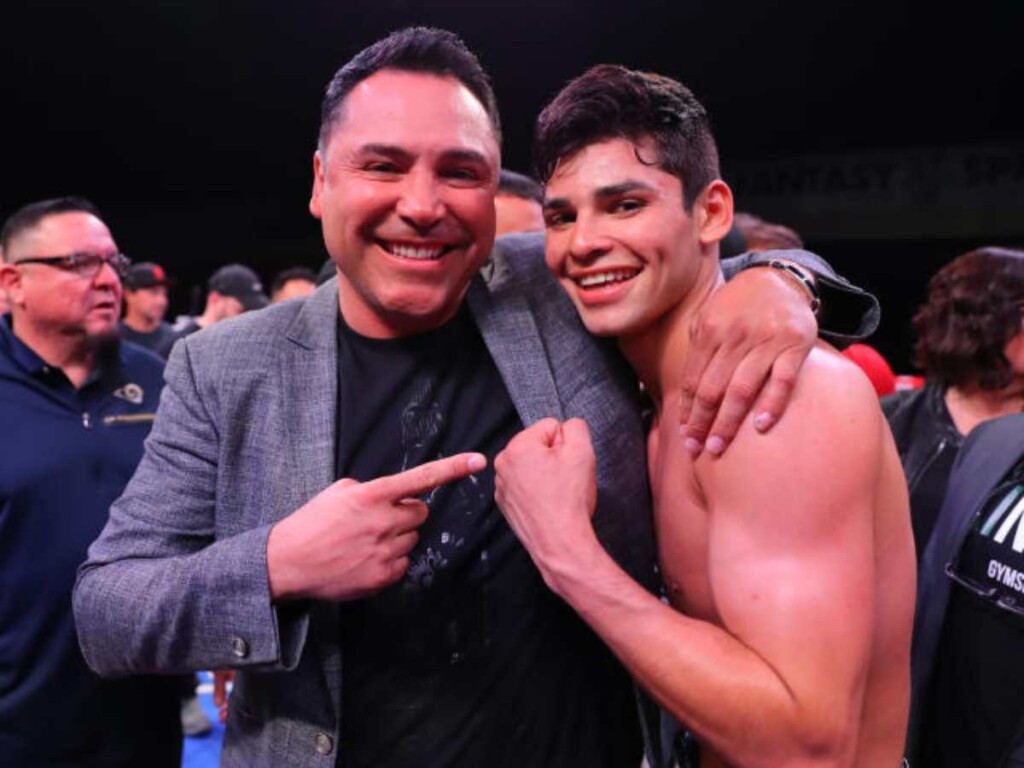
192	123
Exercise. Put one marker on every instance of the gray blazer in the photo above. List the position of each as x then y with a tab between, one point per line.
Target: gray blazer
245	435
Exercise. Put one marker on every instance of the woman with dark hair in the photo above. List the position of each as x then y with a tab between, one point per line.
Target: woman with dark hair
970	346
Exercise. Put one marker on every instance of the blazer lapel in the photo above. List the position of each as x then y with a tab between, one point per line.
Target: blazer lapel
506	323
310	377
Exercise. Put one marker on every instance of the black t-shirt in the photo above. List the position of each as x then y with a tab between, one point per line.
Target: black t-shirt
976	704
469	660
160	341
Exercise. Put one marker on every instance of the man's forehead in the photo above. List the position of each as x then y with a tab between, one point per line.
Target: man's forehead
397	101
609	163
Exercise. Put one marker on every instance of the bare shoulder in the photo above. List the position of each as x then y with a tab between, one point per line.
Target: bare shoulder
832	397
827	445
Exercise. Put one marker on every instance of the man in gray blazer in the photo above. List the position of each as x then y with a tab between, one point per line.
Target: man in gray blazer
387	618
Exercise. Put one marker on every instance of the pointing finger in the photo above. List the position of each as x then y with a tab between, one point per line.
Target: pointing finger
425	477
411	514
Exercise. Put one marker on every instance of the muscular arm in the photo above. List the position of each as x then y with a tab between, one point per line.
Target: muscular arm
780	682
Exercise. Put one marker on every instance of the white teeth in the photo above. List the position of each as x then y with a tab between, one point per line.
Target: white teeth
415	252
603	278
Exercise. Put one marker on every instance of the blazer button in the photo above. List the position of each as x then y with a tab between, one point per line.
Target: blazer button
239	647
324	743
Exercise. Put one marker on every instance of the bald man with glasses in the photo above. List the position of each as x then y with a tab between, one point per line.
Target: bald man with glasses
75	405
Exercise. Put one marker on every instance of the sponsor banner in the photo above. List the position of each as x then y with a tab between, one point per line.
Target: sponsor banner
963	191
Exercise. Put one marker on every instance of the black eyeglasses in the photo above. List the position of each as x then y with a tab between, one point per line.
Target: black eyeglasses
83	264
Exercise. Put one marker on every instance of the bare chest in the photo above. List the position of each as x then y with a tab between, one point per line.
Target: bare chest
681	524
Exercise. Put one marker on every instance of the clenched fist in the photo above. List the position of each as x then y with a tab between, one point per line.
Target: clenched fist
546	487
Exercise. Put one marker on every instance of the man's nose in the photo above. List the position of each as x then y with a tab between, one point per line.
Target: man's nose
420	203
588	238
107	276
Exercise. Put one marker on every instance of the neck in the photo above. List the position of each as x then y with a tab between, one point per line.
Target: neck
73	354
969	406
657	351
209	317
141	323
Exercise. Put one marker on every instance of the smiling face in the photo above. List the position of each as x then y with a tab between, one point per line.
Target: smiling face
405	193
619	239
47	300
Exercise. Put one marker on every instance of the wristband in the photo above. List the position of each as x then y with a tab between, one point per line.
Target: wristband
800	275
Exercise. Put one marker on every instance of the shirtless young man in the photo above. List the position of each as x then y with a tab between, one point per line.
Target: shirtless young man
789	560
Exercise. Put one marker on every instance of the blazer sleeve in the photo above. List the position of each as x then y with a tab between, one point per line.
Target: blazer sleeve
848	313
159	591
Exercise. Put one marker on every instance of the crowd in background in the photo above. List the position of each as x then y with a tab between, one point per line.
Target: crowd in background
955	422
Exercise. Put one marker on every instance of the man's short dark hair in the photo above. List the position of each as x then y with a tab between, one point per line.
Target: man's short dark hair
972	311
414	49
287	275
30	215
610	102
520	185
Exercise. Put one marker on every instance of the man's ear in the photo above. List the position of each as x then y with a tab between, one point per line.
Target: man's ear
318	185
713	208
10	280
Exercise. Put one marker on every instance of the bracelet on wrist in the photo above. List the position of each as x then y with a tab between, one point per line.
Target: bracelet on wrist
800	276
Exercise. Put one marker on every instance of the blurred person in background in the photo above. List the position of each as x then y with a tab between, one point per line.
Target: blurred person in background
517	204
971	349
292	283
145	305
761	235
231	290
75	404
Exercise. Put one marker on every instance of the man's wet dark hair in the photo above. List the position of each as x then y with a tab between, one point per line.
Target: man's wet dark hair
414	49
28	216
972	311
609	102
519	185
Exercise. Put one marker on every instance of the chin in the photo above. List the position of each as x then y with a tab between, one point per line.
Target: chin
603	330
597	325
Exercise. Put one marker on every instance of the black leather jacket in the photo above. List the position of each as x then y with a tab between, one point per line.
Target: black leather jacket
928	443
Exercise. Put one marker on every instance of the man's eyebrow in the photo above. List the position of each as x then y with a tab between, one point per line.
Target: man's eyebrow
448	155
464	155
601	193
388	150
614	190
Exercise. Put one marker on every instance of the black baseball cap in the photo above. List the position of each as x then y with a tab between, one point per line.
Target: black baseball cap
146	274
239	282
